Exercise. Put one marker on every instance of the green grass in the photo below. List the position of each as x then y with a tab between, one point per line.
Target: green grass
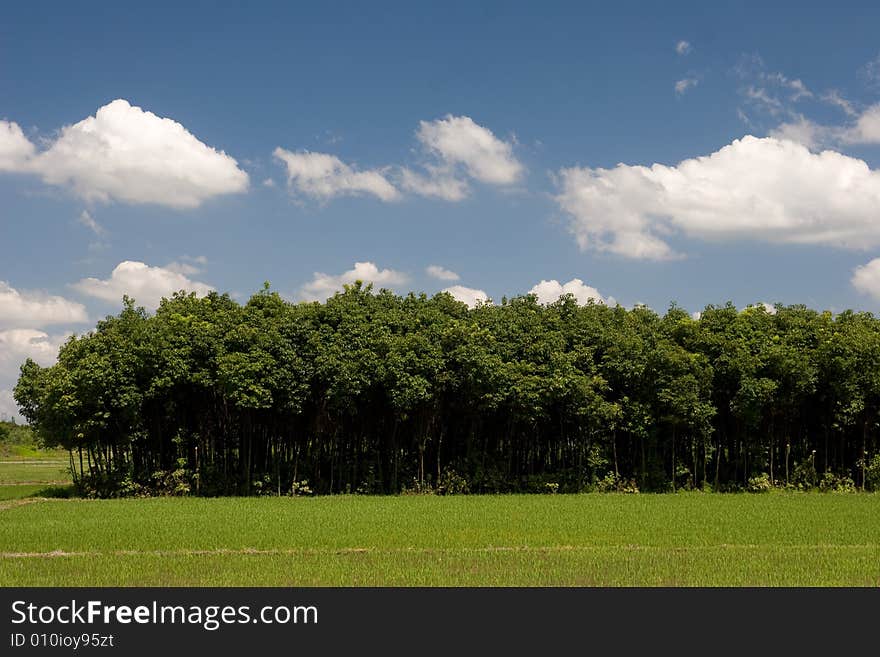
26	471
34	471
20	451
684	539
22	491
27	465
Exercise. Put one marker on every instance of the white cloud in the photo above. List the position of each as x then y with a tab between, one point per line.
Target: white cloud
865	129
187	265
456	149
8	407
797	88
833	97
683	47
325	176
752	68
773	93
766	189
323	286
550	291
146	285
803	131
184	268
684	84
30	309
87	220
15	149
472	297
441	273
866	278
438	183
458	140
762	97
124	153
16	345
800	90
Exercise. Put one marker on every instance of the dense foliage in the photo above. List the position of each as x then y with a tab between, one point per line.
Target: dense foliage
373	392
12	433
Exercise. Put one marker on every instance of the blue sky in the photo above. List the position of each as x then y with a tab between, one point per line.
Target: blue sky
289	141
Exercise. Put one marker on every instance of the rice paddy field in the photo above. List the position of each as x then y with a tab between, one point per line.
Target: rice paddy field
688	539
26	471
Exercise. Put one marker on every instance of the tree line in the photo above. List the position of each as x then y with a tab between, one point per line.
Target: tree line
380	393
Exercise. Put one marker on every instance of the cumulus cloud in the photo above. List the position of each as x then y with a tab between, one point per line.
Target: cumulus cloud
441	273
462	150
755	188
29	309
866	129
124	153
456	150
8	407
323	286
143	283
683	47
472	297
325	176
458	140
684	84
17	345
550	291
438	182
776	95
866	278
16	150
803	131
21	316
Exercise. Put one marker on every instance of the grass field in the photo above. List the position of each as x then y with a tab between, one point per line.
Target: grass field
597	539
26	471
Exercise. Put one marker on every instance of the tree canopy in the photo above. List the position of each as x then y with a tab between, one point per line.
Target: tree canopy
376	393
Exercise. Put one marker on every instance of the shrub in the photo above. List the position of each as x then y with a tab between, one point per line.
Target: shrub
832	483
613	483
872	473
760	484
265	486
804	475
452	483
300	488
417	487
